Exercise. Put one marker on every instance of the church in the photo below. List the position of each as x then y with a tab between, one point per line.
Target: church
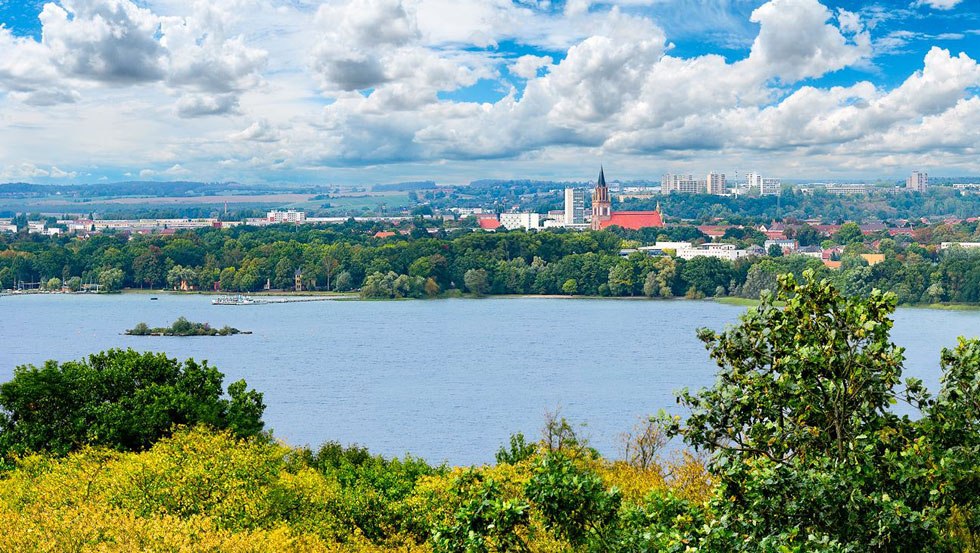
603	216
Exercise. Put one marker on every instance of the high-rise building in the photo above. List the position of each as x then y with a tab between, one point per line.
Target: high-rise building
574	206
682	184
765	186
917	182
715	184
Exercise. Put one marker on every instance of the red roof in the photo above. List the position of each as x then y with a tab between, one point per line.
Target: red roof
714	230
384	234
486	223
905	231
633	219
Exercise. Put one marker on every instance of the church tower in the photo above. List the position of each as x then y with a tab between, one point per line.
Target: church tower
601	206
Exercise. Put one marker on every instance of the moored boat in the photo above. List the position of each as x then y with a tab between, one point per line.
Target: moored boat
233	300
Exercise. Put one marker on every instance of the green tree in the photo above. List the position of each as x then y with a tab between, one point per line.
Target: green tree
74	284
121	399
477	282
805	447
849	233
111	280
570	287
573	501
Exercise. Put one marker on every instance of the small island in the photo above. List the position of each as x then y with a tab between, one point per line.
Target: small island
183	327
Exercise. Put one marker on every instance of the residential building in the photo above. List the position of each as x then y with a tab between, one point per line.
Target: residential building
681	184
965	245
525	221
917	182
574	206
711	249
715	184
848	189
603	216
488	221
765	186
815	252
787	246
291	216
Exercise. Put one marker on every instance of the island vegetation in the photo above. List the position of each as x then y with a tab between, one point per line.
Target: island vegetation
183	327
796	448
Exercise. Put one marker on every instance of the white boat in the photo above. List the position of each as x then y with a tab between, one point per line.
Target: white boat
233	300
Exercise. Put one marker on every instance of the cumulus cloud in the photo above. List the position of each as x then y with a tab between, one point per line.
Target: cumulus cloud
259	131
91	43
380	83
200	105
795	41
527	66
110	41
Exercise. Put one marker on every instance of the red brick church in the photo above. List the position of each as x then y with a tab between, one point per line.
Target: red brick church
603	216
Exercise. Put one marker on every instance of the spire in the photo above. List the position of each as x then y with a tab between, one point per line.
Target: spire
602	179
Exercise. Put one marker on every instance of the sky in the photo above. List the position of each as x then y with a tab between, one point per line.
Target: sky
369	91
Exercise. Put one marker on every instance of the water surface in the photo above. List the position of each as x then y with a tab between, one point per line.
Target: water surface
444	379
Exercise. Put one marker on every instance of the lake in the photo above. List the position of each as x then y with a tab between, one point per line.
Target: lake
447	380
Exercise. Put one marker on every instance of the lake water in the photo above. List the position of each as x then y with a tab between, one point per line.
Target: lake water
447	380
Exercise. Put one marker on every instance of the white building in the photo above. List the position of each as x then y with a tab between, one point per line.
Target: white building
715	184
467	211
525	221
917	182
711	249
965	245
291	216
574	206
682	184
765	186
784	244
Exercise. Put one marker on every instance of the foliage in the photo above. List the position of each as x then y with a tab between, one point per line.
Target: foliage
348	257
120	399
574	502
182	327
519	450
806	449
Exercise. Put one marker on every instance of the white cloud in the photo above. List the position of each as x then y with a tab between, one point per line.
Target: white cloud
253	89
199	105
527	66
90	43
939	4
259	131
795	41
59	174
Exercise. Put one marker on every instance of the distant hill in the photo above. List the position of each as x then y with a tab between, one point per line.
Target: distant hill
146	188
404	186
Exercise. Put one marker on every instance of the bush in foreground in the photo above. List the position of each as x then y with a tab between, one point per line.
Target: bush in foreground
121	399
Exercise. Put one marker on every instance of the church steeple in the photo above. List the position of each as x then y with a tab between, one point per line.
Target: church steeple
601	205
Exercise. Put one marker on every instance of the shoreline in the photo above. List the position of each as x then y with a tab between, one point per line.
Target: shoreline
734	301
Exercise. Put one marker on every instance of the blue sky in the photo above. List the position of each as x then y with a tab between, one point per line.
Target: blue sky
361	91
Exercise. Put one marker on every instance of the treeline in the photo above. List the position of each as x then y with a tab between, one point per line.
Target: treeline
348	257
799	451
878	204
